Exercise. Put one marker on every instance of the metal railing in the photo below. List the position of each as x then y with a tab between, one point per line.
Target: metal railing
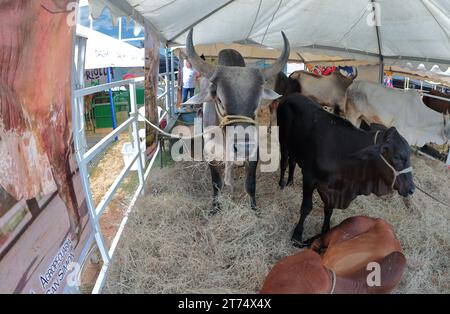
84	157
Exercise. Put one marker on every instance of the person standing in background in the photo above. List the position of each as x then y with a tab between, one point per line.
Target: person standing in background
190	77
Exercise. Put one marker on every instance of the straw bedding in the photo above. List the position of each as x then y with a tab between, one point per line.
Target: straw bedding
172	245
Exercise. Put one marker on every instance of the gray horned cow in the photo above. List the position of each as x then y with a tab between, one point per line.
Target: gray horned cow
235	93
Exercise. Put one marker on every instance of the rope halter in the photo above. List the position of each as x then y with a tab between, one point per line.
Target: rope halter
226	120
394	171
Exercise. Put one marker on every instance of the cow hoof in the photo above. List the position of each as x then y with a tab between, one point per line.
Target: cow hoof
309	242
215	209
257	211
299	244
282	184
290	183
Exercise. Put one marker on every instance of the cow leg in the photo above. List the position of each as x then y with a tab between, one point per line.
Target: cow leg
292	165
328	212
283	165
250	182
308	189
217	183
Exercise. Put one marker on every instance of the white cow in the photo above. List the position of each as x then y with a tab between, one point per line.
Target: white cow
404	110
328	91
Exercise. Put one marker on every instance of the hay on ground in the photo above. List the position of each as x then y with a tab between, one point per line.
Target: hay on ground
172	245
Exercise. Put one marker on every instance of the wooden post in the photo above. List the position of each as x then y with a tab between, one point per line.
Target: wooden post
151	88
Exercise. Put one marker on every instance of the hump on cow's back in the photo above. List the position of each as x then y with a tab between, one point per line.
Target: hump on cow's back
231	57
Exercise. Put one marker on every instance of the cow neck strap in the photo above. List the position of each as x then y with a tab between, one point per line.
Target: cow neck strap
394	171
226	120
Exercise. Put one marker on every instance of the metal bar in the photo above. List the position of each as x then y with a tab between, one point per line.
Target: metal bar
99	284
437	97
137	141
120	28
133	39
123	223
448	160
100	146
81	261
198	21
111	100
131	11
99	88
149	168
373	54
168	108
162	95
113	188
79	140
87	191
380	51
172	81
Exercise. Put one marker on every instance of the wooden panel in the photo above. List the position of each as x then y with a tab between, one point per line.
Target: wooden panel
35	100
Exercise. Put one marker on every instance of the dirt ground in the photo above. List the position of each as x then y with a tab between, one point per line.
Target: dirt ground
172	245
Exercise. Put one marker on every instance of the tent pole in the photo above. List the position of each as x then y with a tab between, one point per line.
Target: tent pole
381	69
111	101
120	28
380	51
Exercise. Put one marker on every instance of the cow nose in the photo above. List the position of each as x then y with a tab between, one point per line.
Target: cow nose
412	190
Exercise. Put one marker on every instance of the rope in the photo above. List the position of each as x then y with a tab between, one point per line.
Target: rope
432	197
394	171
225	120
174	136
228	120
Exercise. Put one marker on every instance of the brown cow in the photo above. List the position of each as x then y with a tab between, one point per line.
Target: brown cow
438	105
340	262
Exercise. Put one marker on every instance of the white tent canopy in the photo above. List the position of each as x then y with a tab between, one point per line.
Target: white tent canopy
402	31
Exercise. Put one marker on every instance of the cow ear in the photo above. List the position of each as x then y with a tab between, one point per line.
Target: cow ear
199	99
389	135
368	153
269	94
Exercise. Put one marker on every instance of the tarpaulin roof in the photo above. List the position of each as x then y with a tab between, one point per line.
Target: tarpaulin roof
402	31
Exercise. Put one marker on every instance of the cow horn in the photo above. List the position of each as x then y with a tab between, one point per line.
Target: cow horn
278	66
200	65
